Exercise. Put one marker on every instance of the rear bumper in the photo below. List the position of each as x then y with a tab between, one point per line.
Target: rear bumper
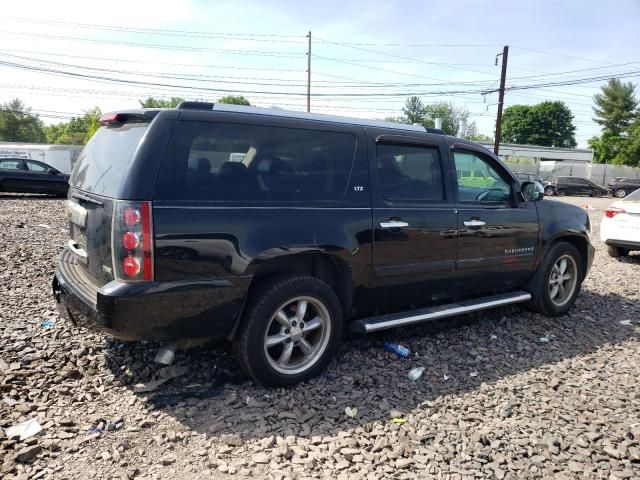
148	311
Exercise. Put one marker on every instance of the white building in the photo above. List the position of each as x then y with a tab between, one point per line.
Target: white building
60	157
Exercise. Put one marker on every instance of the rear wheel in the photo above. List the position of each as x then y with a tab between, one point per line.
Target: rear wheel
620	193
557	281
549	191
616	252
290	331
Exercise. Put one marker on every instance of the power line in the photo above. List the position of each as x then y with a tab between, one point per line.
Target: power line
560	55
155	31
266	53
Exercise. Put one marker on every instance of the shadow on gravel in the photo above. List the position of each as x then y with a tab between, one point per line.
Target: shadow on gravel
460	355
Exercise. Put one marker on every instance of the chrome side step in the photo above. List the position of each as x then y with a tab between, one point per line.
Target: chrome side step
382	322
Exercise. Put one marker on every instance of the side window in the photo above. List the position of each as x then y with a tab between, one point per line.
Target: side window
208	161
11	164
409	173
35	167
479	181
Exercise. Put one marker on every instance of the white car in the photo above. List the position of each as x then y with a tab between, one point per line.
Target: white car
620	227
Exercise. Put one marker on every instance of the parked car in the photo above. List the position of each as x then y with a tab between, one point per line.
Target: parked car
621	187
620	227
323	221
574	186
30	176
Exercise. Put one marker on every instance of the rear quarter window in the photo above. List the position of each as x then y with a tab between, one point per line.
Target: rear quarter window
106	159
220	162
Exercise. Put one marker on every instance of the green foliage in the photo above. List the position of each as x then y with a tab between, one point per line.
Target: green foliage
18	124
548	124
152	102
616	106
235	100
77	131
414	110
618	149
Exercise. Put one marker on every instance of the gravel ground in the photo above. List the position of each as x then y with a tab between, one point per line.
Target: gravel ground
506	393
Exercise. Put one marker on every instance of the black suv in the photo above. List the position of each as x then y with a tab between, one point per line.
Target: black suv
574	186
272	229
621	187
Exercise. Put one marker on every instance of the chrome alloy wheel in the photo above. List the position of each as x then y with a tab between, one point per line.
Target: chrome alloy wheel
563	280
297	335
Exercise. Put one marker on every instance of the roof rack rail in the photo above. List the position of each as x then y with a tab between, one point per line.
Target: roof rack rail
196	105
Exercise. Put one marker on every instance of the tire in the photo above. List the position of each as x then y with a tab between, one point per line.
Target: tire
270	365
620	193
596	193
561	193
549	191
616	252
541	289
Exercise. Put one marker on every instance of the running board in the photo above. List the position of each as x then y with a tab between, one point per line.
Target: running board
382	322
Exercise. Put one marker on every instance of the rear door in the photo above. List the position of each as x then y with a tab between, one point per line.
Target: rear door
12	175
414	222
497	233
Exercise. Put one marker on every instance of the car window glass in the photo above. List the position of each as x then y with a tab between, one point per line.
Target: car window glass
208	161
409	173
10	164
35	167
481	182
633	197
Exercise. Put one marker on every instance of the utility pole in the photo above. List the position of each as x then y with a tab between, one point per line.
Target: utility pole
503	77
309	74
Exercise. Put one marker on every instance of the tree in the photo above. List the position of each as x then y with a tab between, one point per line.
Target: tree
18	124
152	102
548	124
413	110
452	117
77	131
235	100
616	106
618	149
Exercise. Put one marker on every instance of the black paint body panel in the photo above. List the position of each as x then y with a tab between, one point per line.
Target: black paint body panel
207	253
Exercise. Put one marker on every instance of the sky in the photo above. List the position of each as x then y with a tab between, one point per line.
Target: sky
63	58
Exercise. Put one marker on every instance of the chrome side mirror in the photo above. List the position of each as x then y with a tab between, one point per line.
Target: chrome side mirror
531	191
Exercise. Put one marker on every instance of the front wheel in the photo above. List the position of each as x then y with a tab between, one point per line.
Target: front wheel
596	193
290	331
557	281
549	191
620	193
561	193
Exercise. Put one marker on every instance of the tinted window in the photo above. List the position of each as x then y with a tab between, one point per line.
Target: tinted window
105	160
483	182
409	173
633	197
35	167
11	164
207	161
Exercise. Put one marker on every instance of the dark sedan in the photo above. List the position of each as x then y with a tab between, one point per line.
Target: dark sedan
621	187
574	186
30	176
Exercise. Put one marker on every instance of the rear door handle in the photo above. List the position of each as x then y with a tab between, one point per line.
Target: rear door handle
394	224
474	223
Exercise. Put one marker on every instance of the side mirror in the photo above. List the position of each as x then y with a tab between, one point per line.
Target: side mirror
531	191
53	171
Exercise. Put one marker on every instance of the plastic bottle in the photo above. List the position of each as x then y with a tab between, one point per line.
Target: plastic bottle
415	373
398	349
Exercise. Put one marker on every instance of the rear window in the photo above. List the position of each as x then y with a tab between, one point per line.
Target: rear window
215	161
106	159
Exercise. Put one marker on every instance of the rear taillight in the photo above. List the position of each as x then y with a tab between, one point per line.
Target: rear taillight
612	212
132	244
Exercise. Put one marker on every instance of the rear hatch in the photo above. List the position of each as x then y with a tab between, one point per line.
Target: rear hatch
95	184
